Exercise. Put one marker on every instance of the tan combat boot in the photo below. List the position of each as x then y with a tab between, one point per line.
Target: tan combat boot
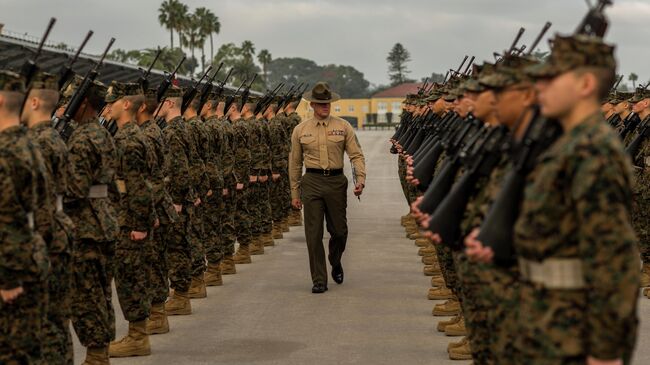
440	293
416	235
462	352
431	270
96	356
430	260
157	323
285	225
213	275
411	229
443	324
178	305
242	256
277	231
453	345
457	329
197	288
449	308
135	343
646	292
256	247
437	280
228	266
427	251
267	239
645	276
295	219
422	242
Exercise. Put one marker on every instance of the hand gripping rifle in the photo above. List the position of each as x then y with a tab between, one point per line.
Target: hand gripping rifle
63	124
66	72
144	78
190	94
207	88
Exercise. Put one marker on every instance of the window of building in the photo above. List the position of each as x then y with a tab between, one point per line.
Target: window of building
365	109
337	109
382	107
396	108
351	108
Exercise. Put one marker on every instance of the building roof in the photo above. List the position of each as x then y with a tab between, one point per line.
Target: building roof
399	91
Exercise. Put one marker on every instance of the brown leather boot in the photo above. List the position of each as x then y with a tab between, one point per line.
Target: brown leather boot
457	344
285	225
256	247
405	218
267	239
96	356
427	251
228	266
135	343
440	293
197	288
243	255
457	329
415	235
449	308
295	219
157	323
443	324
212	276
178	305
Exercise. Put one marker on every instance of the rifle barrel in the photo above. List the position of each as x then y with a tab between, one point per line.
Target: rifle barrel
541	34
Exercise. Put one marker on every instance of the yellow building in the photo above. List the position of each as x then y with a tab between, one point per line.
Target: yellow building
382	108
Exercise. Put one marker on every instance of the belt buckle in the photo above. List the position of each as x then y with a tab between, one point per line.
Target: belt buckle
327	172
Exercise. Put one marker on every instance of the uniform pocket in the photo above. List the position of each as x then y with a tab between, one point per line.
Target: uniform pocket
335	139
307	139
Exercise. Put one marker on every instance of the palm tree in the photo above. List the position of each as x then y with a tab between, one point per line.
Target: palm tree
208	24
247	50
633	77
191	35
264	57
170	15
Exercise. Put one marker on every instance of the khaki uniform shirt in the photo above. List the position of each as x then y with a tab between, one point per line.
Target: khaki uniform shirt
320	145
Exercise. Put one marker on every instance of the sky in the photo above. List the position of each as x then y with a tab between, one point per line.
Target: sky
360	33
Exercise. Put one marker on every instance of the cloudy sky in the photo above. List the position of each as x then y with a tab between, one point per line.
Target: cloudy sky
352	32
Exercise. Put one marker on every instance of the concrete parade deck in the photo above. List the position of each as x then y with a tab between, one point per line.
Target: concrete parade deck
266	313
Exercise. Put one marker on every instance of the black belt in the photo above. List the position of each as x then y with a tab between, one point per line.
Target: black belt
335	172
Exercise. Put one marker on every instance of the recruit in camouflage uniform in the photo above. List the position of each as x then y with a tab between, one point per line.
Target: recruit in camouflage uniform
24	262
93	163
43	98
136	216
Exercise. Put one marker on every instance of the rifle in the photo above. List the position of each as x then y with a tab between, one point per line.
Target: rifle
541	34
595	23
29	68
620	78
287	96
222	84
644	131
516	40
497	228
246	93
267	99
66	72
231	98
207	88
167	82
471	62
63	124
144	78
190	94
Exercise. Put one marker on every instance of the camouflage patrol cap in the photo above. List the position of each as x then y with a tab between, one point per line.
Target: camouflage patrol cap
620	96
151	93
472	84
44	81
641	94
572	52
118	90
11	81
433	96
510	70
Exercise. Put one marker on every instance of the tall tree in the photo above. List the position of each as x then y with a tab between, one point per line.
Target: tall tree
208	25
191	35
397	60
171	15
264	57
633	77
